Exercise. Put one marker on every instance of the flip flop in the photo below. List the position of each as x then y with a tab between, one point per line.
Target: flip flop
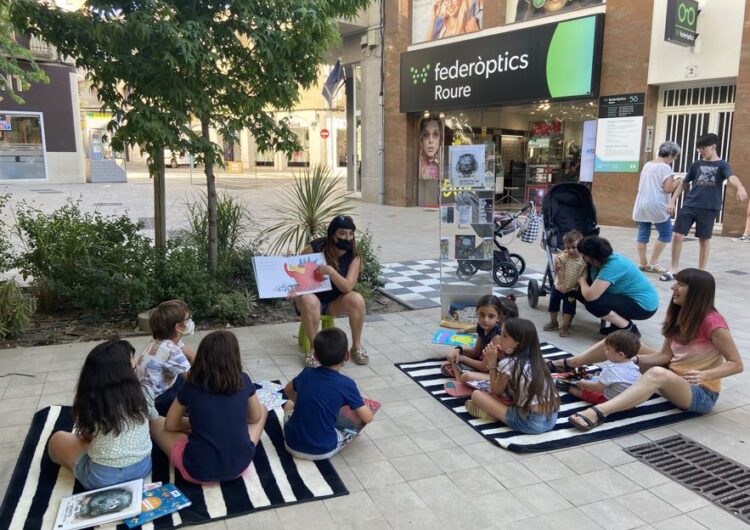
588	424
666	277
456	389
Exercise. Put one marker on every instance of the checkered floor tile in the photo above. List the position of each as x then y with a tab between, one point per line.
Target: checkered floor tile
416	284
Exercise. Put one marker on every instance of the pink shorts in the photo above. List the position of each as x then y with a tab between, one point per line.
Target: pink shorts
178	453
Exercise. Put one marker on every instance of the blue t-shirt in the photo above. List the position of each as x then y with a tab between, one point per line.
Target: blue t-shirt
321	392
219	446
625	278
707	178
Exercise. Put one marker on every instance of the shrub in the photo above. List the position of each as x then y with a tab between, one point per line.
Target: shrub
236	307
89	261
16	308
369	276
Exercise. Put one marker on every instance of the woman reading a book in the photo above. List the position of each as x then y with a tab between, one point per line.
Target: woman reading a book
343	264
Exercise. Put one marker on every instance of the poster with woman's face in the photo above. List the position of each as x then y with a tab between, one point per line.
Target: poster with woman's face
520	10
430	149
436	19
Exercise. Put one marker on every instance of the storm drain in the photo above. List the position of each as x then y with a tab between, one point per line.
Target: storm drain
717	478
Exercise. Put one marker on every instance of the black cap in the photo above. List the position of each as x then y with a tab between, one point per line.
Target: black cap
340	221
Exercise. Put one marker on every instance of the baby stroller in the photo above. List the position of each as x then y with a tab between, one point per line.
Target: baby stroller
567	206
506	266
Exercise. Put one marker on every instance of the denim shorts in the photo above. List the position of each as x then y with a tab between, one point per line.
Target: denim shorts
703	401
664	228
94	476
534	423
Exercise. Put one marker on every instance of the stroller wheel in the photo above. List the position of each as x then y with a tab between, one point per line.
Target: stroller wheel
505	274
466	269
533	293
519	262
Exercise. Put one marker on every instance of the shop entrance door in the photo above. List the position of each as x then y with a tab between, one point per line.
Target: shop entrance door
684	114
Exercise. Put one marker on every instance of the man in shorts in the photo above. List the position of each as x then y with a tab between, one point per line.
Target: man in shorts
702	202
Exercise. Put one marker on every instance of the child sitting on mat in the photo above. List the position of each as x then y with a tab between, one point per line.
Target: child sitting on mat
316	397
161	365
226	417
110	441
618	373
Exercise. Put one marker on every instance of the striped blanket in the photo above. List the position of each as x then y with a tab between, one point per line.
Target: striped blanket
33	496
655	412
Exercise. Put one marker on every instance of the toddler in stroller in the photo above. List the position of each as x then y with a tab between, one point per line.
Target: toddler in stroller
567	206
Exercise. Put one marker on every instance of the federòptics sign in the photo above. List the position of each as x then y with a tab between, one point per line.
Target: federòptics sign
552	61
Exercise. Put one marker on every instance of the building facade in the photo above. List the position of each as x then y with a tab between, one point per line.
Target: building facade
576	90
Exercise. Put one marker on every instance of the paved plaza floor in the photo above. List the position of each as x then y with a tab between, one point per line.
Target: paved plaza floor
418	465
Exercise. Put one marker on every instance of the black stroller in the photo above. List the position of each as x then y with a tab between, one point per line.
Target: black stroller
507	267
566	207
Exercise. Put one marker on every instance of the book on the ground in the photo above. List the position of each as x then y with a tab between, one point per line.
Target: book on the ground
483	385
349	422
451	338
105	505
159	502
277	275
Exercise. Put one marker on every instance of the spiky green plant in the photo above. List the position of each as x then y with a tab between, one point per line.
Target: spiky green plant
304	210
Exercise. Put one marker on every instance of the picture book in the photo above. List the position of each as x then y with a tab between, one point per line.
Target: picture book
349	422
158	502
451	338
105	505
465	246
276	275
269	394
480	385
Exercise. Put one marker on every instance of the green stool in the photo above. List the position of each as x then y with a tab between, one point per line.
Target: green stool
326	321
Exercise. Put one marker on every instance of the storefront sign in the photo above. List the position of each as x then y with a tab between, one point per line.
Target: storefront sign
618	136
682	22
552	61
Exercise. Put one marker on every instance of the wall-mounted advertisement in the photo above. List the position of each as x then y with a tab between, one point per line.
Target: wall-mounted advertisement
467	166
588	151
560	60
437	19
430	148
520	10
618	133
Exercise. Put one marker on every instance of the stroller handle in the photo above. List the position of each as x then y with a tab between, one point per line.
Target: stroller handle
528	205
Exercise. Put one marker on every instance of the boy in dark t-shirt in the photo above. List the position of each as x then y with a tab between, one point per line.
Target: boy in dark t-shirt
316	397
703	202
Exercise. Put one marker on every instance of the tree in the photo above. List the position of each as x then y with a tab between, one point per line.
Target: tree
225	63
16	60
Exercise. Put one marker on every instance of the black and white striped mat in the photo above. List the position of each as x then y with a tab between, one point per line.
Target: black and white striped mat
33	496
655	412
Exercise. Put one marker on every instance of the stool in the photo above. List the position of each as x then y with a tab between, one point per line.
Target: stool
326	321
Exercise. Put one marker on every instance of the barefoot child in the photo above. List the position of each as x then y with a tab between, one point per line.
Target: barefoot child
226	418
618	373
468	364
569	267
316	396
111	413
162	363
522	394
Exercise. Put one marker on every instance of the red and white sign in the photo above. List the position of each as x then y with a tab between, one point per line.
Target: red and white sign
325	133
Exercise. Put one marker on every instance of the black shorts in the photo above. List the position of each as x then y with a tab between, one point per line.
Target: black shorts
704	221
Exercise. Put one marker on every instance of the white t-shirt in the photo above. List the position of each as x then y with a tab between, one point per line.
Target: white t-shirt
652	201
618	376
505	366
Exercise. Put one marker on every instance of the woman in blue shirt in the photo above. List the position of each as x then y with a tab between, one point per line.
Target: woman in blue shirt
614	289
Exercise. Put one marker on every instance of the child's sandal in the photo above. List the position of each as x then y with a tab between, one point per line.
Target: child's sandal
554	369
587	424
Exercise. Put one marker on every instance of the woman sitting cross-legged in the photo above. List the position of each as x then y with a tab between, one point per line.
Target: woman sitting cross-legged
698	350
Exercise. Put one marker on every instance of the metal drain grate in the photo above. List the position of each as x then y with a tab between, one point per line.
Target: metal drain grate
717	478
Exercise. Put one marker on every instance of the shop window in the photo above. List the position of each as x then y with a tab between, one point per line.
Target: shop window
264	158
21	147
301	158
341	147
520	10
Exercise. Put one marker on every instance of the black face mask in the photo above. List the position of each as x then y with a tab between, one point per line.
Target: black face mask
343	244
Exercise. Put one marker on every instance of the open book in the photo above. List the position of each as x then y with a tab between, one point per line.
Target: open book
158	502
105	505
349	422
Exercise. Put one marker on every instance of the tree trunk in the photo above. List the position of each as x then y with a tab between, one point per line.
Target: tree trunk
213	236
160	201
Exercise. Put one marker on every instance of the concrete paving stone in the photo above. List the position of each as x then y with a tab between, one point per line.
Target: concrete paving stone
612	515
580	460
36	379
362	451
432	440
452	460
463	436
420	519
611	482
541	498
611	452
679	496
577	491
415	467
502	508
476	482
370	524
487	454
396	409
20	417
717	519
648	506
346	474
376	474
659	433
546	467
24	391
643	475
681	522
16	433
366	384
9	407
353	507
57	387
265	519
570	519
59	398
415	423
396	498
383	428
395	446
513	474
308	515
215	525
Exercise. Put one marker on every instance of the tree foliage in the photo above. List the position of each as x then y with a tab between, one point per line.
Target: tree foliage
15	59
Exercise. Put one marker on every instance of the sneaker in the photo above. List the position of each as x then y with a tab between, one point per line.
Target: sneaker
359	356
632	328
744	238
549	326
311	361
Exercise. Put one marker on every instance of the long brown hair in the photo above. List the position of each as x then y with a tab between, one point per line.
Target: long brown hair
329	251
682	322
528	353
218	366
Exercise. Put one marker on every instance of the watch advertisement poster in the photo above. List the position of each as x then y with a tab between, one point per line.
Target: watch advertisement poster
467	166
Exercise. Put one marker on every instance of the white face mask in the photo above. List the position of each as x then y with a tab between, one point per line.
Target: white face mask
189	327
